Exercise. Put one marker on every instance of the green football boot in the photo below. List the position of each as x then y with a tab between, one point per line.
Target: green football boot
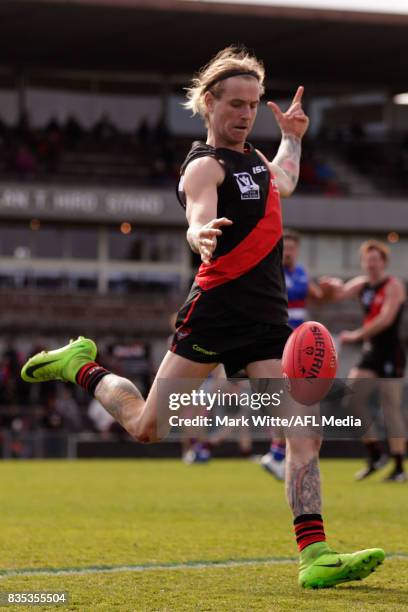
61	364
332	568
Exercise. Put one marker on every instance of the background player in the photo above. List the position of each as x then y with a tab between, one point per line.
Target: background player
236	312
382	298
300	288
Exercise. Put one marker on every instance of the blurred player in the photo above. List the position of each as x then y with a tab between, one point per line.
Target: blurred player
299	285
236	312
197	447
300	288
382	298
241	435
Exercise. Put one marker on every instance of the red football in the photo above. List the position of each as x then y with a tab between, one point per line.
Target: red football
309	363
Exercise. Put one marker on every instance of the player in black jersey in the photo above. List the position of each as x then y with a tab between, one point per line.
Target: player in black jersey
382	298
236	313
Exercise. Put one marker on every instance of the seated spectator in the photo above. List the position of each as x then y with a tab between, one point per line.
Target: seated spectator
308	177
143	133
358	148
73	131
24	161
23	127
50	146
3	132
53	125
161	131
328	184
104	129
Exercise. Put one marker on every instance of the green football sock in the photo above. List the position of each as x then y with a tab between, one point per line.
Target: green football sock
311	552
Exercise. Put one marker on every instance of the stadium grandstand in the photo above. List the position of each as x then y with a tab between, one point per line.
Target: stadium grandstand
92	134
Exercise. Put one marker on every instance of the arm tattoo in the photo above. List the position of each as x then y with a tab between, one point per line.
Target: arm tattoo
303	487
288	157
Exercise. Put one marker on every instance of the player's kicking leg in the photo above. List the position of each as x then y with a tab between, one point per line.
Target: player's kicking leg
75	363
320	567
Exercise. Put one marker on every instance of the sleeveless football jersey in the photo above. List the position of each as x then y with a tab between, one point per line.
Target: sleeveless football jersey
245	274
297	286
372	300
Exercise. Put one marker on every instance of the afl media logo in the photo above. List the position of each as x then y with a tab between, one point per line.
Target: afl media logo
247	186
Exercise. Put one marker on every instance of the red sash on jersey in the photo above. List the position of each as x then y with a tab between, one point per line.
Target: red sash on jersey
250	251
377	302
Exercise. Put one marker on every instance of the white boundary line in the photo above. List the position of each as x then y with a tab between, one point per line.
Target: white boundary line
81	571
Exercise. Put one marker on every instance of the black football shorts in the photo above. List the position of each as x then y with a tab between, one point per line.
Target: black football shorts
386	362
235	343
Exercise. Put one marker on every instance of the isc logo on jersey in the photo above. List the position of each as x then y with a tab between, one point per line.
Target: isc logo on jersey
247	186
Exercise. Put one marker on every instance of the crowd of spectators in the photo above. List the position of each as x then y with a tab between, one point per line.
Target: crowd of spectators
28	153
317	176
383	160
151	155
49	410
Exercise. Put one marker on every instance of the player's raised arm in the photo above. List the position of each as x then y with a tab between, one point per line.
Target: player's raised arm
202	177
293	124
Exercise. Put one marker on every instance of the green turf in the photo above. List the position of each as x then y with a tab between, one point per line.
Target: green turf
111	513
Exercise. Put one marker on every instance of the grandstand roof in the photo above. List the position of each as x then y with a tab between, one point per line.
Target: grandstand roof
151	41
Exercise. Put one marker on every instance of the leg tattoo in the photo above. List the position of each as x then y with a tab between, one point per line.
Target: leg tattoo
303	487
121	399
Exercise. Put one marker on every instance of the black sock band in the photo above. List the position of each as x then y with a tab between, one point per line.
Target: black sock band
89	376
398	462
374	451
309	529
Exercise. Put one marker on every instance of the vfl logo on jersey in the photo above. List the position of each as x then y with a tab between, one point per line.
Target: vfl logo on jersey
368	297
247	186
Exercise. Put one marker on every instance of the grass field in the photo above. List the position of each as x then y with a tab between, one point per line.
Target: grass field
160	535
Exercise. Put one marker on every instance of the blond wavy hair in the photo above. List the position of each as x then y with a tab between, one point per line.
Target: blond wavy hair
229	59
375	245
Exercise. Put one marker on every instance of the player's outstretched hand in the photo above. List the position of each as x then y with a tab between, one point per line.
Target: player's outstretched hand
349	337
330	282
293	122
207	237
330	287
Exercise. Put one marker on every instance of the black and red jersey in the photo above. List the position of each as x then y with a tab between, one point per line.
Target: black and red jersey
372	300
245	274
